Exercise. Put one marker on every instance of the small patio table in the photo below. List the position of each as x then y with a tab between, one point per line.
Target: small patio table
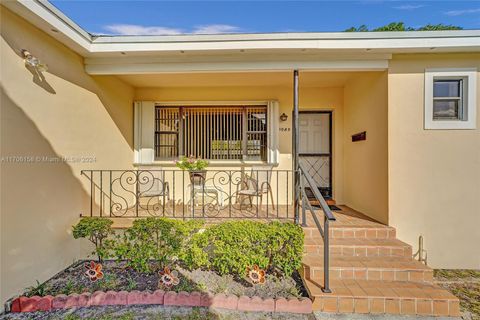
208	192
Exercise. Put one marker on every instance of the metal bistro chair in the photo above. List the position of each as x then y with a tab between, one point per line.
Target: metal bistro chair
257	184
152	184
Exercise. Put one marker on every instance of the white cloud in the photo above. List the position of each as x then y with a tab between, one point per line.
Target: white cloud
215	28
409	6
133	29
461	12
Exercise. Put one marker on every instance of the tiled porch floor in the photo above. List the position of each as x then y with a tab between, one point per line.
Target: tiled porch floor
347	217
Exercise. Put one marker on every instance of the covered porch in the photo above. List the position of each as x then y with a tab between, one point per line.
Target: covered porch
242	123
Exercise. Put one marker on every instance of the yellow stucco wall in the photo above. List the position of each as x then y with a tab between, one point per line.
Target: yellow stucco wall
61	113
434	175
365	162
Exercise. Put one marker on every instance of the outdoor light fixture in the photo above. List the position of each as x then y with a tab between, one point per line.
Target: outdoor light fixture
33	62
283	117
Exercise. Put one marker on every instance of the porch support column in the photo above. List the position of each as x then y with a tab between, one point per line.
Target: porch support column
295	141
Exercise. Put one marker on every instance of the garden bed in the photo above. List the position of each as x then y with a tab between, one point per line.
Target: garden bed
237	265
118	276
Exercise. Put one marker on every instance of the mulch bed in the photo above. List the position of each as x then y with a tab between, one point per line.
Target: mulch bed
117	276
464	284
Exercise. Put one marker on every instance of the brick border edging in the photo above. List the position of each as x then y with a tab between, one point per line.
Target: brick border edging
160	297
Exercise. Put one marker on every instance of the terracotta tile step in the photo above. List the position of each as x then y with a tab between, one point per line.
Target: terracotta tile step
360	247
377	297
367	268
348	232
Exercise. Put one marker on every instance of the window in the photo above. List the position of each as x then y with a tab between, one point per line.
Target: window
447	99
214	133
450	99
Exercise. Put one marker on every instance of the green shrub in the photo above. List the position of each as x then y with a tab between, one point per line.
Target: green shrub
231	247
228	248
157	239
96	230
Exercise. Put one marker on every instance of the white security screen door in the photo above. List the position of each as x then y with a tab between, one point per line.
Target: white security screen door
315	149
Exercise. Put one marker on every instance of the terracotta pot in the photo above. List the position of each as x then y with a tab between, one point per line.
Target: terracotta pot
198	177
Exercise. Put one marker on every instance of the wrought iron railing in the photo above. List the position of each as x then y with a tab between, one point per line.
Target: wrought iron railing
306	181
210	194
247	193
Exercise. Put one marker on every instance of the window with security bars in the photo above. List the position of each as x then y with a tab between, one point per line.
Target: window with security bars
214	133
166	132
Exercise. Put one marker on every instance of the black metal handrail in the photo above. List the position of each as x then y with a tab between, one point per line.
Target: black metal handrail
328	216
244	193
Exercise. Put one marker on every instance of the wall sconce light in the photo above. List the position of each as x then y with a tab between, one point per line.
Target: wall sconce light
283	117
33	62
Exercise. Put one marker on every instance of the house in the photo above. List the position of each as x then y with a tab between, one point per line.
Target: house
387	126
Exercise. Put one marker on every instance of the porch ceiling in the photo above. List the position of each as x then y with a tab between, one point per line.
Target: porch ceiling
241	79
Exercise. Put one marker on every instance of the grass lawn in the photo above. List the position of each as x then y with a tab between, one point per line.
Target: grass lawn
465	284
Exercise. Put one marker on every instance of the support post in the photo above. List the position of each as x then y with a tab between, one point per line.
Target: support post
295	141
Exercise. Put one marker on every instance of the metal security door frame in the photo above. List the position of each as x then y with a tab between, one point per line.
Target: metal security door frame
330	141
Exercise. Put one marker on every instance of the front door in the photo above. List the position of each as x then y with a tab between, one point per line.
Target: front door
315	149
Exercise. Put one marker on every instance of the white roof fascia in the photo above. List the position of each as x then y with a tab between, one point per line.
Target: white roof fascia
45	16
468	44
246	57
62	17
235	66
287	36
325	41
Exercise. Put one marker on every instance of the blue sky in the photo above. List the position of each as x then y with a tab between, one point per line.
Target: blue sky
176	17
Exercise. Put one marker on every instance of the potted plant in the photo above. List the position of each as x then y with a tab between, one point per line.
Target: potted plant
195	167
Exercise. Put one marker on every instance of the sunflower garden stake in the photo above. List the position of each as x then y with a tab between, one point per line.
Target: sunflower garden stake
256	275
168	278
94	271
